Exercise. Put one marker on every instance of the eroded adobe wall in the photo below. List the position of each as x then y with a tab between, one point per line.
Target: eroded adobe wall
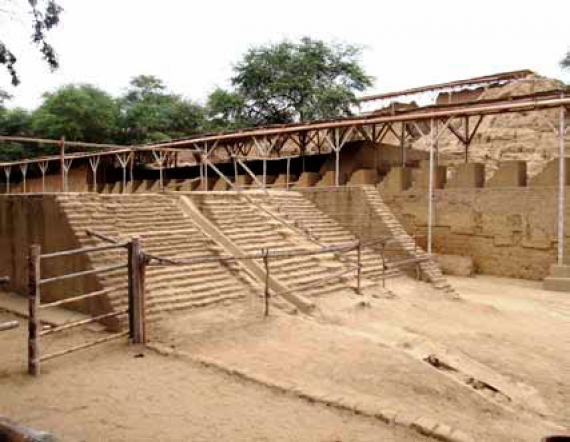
76	182
507	231
37	219
348	206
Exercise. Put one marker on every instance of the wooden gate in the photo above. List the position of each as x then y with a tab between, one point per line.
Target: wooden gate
135	310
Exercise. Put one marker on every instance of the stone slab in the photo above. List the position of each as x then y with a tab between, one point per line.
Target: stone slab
509	174
468	175
556	284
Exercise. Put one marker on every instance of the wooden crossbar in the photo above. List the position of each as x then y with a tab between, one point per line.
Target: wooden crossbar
4	326
83	322
75	298
82	346
84	273
84	250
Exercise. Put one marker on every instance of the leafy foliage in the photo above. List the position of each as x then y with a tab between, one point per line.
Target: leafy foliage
280	83
288	82
14	122
565	62
150	113
45	16
78	112
227	110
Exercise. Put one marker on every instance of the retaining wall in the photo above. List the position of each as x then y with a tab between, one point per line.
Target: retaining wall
507	231
38	219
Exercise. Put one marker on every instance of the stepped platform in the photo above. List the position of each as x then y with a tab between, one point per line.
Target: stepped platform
254	222
164	231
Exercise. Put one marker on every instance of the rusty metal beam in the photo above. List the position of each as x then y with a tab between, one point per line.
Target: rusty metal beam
486	79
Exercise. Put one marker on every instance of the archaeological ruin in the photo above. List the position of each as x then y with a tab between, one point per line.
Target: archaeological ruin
283	219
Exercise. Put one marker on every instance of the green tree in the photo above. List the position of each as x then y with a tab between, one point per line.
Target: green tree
12	122
15	122
45	16
78	112
565	62
4	96
150	113
227	110
288	82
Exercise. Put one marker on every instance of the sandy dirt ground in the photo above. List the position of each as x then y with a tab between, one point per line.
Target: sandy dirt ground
111	393
494	364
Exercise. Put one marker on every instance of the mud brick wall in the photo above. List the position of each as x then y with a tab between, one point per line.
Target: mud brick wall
507	231
38	219
348	206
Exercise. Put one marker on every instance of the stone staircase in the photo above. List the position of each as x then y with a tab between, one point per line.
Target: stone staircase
293	206
247	222
429	268
164	231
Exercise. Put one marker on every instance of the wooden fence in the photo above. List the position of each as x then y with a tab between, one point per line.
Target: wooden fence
10	325
135	311
266	255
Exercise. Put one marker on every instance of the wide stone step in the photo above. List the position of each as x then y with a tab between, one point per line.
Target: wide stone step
189	304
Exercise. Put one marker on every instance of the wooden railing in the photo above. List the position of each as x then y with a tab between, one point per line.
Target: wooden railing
135	310
267	255
10	325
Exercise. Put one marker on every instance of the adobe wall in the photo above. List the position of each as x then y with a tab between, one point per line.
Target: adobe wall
37	219
348	206
507	231
76	182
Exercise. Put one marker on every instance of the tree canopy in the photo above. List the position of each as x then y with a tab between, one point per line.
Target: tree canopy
78	112
288	82
45	16
280	83
150	113
565	62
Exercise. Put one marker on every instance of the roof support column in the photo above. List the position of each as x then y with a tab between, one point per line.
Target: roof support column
7	172
24	170
43	169
561	183
403	144
432	139
264	148
66	169
124	162
336	143
288	173
62	163
235	171
160	159
94	164
430	190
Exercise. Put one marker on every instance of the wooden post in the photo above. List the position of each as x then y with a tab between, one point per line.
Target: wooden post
359	267
418	274
235	171
62	162
561	183
382	247
288	173
206	168
265	253
34	300
403	144
430	189
337	168
136	268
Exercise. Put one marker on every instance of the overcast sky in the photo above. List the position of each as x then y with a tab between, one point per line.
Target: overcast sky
192	45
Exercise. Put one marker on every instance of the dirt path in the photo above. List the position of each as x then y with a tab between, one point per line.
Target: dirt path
498	358
110	394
